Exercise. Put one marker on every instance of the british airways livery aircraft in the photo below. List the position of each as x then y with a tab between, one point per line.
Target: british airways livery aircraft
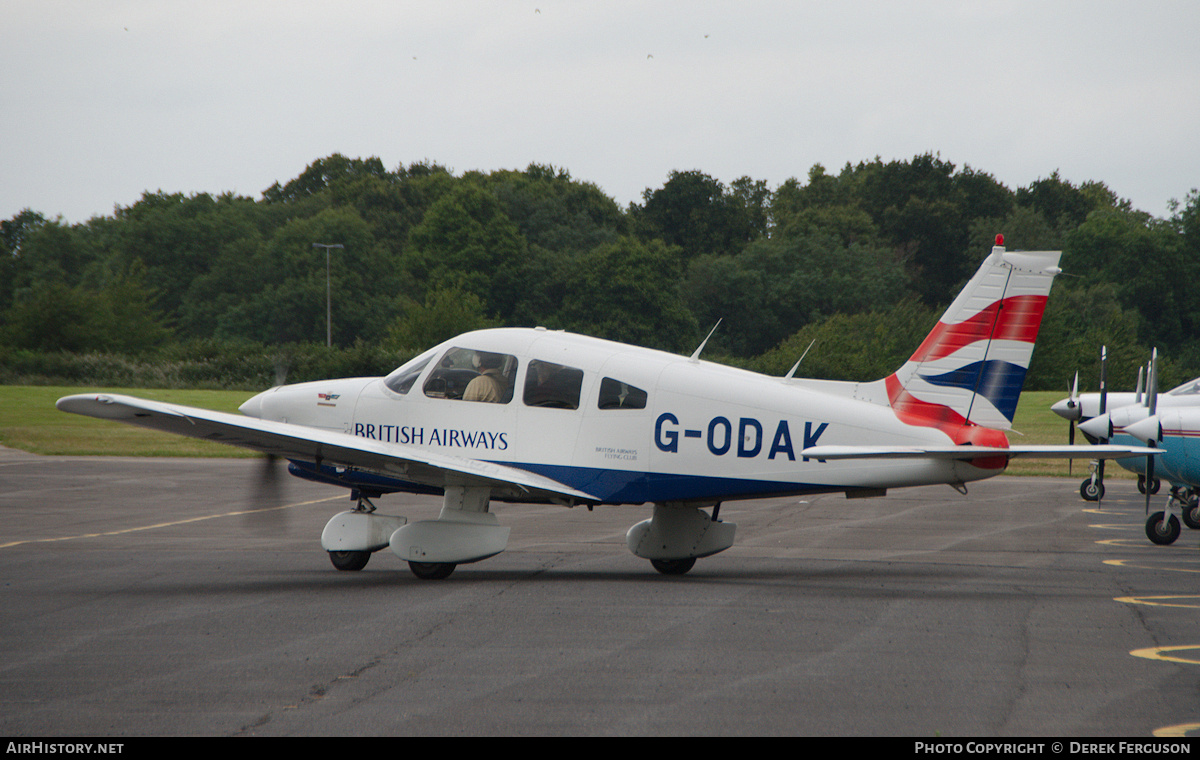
535	415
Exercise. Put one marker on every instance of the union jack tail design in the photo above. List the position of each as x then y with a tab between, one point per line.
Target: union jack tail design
971	367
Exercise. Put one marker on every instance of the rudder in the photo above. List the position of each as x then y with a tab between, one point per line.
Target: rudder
971	367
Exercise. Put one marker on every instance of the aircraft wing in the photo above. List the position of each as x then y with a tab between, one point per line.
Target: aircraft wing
311	444
975	452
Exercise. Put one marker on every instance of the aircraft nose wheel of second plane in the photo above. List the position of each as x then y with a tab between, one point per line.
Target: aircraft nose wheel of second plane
1091	490
1160	531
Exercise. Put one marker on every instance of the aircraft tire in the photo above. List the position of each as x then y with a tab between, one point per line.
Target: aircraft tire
432	571
1160	534
349	561
1091	491
673	566
1154	485
1191	515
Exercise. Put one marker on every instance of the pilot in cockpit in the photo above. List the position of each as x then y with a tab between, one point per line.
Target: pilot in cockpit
491	385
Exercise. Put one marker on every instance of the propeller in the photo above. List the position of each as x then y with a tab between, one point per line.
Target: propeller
266	492
1072	403
281	371
1100	430
1103	411
1152	407
265	510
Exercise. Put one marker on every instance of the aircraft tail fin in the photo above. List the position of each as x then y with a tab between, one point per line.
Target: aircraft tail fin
971	367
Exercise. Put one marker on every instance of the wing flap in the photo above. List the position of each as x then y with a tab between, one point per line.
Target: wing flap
311	444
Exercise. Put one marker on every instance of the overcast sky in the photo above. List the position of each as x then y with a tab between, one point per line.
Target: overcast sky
102	100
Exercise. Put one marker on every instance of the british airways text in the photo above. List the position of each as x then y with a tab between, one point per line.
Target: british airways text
748	440
419	436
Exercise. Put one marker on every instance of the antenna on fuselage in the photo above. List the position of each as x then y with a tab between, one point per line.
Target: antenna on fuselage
695	357
796	366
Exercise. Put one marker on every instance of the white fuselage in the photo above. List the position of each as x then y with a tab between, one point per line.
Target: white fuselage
647	426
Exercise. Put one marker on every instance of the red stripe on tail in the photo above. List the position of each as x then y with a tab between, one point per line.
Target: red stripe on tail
1019	319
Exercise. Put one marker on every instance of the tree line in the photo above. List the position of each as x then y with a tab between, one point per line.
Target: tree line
857	264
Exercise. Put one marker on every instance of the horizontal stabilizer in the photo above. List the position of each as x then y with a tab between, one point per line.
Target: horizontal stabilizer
975	452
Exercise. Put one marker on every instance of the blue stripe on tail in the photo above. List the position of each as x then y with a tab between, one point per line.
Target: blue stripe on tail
1000	384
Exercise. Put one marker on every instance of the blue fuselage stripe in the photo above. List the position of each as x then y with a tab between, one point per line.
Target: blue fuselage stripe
610	486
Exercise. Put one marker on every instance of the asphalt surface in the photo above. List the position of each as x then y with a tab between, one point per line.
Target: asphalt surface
143	597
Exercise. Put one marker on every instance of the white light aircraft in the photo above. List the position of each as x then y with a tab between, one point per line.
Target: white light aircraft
1080	408
1173	422
535	415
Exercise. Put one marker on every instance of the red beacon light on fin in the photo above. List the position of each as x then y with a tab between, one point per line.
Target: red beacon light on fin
999	240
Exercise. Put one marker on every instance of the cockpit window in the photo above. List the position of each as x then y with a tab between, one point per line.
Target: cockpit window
552	385
471	375
615	394
401	380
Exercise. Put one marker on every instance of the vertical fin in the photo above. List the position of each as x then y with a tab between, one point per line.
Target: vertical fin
972	365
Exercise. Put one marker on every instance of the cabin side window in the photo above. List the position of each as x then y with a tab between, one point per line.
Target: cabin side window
469	375
554	386
615	394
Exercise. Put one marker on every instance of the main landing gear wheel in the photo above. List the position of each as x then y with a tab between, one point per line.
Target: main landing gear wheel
1191	515
1162	533
432	571
673	566
1091	490
349	560
1155	484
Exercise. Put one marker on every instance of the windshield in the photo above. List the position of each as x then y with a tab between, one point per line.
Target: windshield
401	380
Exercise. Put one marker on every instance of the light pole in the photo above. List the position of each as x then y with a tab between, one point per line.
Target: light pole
328	298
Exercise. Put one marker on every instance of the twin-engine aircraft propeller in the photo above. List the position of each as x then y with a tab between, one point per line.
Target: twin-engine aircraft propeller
1140	421
1161	527
1099	428
1092	489
1072	412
